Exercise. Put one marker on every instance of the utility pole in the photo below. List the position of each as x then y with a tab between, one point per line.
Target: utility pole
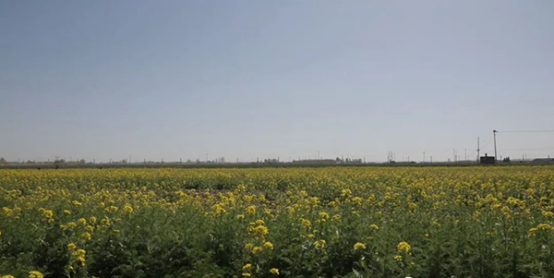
494	135
478	149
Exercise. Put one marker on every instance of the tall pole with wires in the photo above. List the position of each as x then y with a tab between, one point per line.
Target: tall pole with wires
494	135
519	131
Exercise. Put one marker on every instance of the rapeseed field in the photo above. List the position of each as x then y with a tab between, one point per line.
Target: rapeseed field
278	222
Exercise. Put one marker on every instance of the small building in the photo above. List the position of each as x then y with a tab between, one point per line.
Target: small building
487	160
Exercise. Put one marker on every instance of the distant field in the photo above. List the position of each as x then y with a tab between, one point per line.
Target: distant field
278	222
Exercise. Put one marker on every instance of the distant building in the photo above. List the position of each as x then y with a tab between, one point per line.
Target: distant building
487	160
543	160
316	161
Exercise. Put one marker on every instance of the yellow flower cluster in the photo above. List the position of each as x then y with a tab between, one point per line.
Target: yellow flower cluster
359	246
403	247
35	274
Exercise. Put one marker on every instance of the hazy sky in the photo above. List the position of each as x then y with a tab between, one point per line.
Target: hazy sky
244	79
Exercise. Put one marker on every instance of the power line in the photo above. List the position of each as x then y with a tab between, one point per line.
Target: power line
528	131
528	149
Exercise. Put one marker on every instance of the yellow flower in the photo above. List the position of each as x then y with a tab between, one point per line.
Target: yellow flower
346	192
113	208
268	245
66	211
547	214
249	246
71	246
246	274
82	221
218	209
105	222
7	211
373	226
79	256
398	258
306	223
35	274
247	266
70	225
404	247
251	209
128	208
256	250
86	236
7	276
261	230
320	243
240	216
47	213
92	220
274	271
359	246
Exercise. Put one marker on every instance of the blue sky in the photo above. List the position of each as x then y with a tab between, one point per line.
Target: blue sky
245	79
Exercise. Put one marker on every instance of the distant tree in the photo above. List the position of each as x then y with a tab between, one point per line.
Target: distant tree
3	161
82	161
